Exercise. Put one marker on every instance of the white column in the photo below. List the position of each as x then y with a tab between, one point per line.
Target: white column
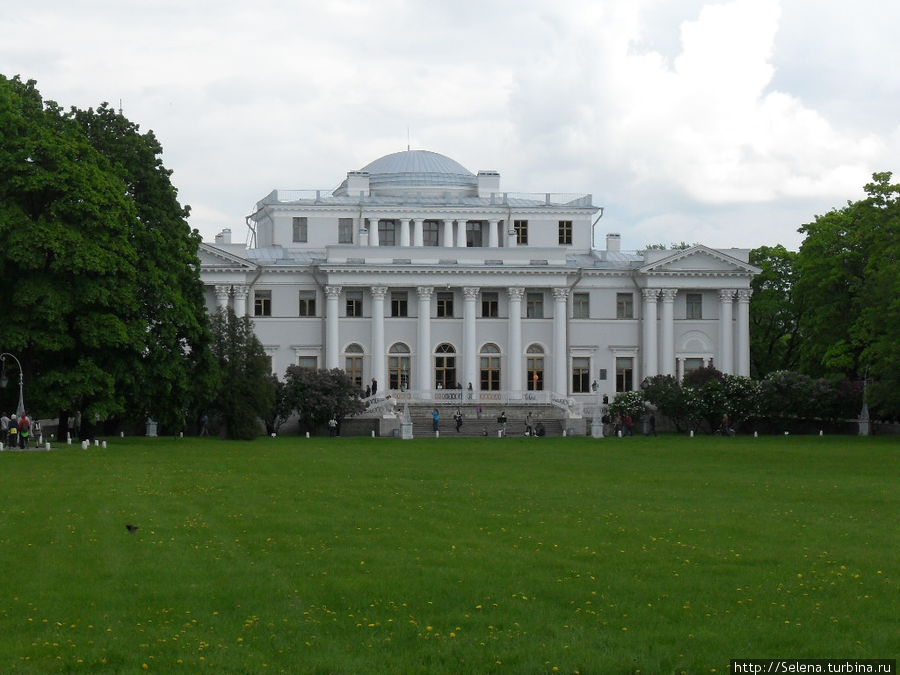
679	369
223	292
423	340
514	362
511	239
560	346
363	232
667	329
378	293
648	322
726	331
447	238
493	233
470	349
240	300
461	233
743	332
332	341
373	239
418	237
403	224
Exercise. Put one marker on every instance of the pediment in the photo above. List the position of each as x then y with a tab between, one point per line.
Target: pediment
212	257
699	260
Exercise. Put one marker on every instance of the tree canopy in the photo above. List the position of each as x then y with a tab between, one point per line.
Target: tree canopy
100	268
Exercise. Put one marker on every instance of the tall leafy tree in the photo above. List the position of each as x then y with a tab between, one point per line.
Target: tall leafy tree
246	391
70	270
170	378
775	312
316	395
849	283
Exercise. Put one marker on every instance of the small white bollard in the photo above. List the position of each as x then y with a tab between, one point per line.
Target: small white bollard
69	441
104	445
499	433
1	447
373	433
755	434
46	446
619	434
121	434
564	433
787	433
307	434
180	434
41	439
821	433
96	443
437	434
84	445
691	436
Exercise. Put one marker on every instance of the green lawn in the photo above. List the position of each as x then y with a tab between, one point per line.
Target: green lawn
661	555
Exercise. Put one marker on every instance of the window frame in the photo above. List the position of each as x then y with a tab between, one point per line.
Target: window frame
444	305
345	230
490	305
300	230
534	305
565	232
262	302
581	305
353	299
399	304
624	305
581	374
693	306
306	303
624	373
520	227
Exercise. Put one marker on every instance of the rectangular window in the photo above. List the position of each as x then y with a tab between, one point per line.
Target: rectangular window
430	230
581	304
353	368
603	373
399	301
693	306
308	362
490	305
624	373
692	364
262	303
534	305
624	305
565	232
521	228
386	233
445	305
581	375
300	233
354	303
307	303
473	234
345	230
534	370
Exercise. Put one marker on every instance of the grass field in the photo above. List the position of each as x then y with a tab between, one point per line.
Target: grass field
661	555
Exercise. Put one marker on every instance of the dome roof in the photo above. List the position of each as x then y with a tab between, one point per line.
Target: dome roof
416	162
418	172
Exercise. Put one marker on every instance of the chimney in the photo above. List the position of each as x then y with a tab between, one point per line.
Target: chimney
614	242
488	182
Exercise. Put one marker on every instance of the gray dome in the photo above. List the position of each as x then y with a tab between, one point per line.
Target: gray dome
418	172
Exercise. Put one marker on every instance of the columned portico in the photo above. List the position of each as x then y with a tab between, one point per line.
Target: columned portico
743	332
223	292
423	338
560	346
667	331
470	349
726	330
332	341
515	339
240	300
648	321
378	293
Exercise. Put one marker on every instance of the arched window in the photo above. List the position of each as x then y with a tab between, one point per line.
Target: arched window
490	367
398	366
353	363
445	366
534	357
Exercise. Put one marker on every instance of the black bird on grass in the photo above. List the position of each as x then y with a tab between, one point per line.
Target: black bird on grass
131	528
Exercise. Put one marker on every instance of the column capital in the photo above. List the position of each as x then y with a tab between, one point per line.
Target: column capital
744	294
560	294
223	290
471	293
333	291
650	293
425	292
668	294
241	291
516	293
378	292
726	294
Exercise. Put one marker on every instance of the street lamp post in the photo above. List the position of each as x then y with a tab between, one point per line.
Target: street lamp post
4	379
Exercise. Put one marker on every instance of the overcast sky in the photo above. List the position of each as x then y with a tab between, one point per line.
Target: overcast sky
728	122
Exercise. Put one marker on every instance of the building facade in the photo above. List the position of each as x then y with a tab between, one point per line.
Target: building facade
425	277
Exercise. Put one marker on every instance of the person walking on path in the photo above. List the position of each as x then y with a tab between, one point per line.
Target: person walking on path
529	430
458	418
332	426
502	422
435	420
204	424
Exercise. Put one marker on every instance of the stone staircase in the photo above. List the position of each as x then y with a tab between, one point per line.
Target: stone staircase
475	423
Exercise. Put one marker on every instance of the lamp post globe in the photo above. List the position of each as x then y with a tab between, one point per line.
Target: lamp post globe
4	379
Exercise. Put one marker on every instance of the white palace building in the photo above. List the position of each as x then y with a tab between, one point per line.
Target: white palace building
423	276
